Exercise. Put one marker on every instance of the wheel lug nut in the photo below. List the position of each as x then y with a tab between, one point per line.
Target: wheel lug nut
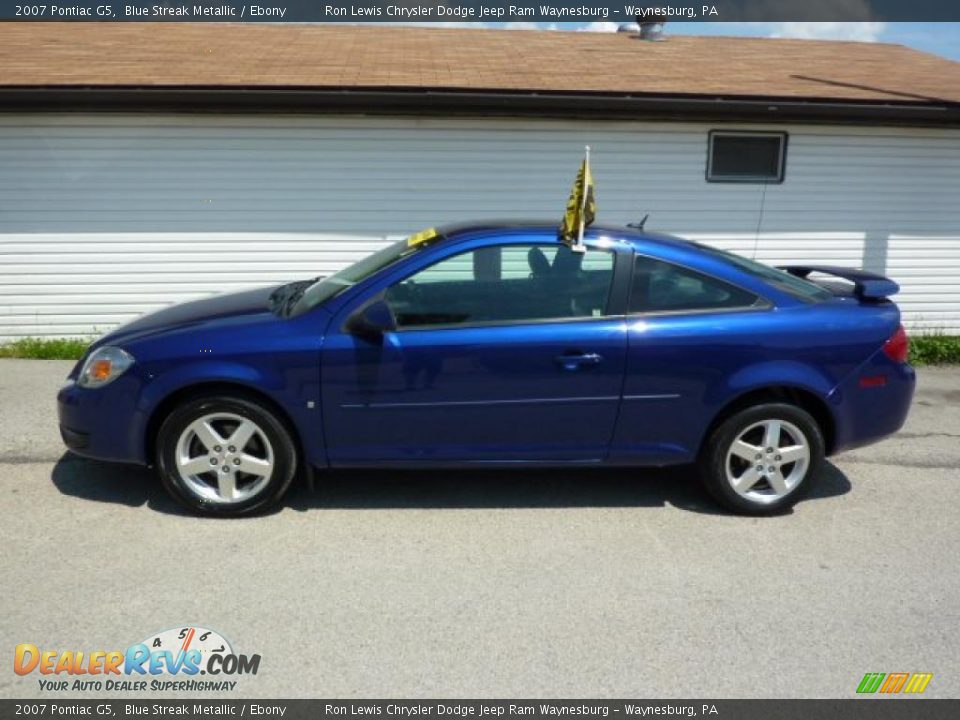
760	468
226	468
771	469
231	449
236	461
758	457
217	448
213	461
769	450
777	458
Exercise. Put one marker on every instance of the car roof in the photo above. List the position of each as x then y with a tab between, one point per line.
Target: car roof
662	246
620	232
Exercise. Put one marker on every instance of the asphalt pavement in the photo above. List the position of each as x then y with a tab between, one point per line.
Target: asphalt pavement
483	584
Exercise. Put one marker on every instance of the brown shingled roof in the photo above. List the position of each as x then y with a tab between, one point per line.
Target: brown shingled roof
417	58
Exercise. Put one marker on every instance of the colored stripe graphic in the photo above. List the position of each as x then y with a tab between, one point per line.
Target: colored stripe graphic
871	682
918	682
894	683
914	683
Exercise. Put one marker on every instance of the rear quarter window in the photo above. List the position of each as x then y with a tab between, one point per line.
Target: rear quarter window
780	279
660	287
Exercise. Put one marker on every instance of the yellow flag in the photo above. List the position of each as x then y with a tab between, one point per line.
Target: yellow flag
581	207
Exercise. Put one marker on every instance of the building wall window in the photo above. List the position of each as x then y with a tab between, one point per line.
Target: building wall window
746	157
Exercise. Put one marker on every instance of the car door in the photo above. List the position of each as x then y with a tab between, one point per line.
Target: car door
688	333
502	352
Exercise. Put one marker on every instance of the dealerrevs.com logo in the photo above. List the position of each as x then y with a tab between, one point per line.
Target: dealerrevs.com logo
171	660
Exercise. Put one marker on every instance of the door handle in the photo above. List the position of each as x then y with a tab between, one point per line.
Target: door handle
573	361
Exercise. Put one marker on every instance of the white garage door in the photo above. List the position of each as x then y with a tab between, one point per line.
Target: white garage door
103	217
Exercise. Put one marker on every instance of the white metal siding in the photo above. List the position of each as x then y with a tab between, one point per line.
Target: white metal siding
103	217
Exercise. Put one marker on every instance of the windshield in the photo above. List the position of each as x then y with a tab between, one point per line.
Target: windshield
331	286
780	279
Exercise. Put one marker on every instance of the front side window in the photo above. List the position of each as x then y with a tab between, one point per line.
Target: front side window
661	287
746	157
505	284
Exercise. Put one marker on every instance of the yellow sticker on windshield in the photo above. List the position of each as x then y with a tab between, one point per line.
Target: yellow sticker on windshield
422	237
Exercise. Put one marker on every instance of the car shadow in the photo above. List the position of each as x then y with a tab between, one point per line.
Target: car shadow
586	487
130	485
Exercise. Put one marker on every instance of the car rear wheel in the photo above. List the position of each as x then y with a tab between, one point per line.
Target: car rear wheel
225	456
762	460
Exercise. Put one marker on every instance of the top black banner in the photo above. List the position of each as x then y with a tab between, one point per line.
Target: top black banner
482	11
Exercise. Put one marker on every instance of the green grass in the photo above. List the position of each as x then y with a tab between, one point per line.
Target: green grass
45	348
935	350
924	349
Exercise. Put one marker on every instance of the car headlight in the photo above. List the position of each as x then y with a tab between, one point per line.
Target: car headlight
103	366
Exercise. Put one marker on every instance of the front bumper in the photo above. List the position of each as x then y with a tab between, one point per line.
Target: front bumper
74	439
102	423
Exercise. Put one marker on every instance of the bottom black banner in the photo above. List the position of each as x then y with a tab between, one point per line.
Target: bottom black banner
852	709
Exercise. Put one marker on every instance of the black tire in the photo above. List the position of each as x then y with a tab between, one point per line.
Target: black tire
763	497
271	440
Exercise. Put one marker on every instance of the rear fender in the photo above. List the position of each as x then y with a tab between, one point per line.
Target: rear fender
778	373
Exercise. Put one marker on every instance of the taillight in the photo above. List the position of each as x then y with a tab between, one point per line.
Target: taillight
897	348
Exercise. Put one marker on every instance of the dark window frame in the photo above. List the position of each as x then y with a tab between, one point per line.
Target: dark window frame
748	179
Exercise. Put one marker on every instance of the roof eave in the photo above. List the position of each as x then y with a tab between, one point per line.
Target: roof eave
418	101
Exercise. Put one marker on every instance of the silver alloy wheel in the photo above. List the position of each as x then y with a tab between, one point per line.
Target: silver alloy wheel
767	461
224	458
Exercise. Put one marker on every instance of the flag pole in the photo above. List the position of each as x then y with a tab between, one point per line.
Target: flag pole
579	247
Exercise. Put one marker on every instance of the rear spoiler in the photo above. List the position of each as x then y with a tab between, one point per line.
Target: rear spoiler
866	285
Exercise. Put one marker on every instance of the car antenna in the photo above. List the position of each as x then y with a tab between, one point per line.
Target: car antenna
639	225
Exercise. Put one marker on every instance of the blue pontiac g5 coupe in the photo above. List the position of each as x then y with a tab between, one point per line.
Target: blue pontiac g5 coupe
495	344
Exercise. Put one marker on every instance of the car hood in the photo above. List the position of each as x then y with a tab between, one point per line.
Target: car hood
251	303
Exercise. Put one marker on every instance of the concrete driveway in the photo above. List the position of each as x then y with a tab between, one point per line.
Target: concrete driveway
579	583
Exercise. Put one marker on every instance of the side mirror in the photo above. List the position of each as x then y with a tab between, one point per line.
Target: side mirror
372	320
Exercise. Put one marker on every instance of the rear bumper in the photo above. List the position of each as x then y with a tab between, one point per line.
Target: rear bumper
869	411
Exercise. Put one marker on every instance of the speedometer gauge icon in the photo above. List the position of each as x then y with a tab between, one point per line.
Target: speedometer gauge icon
193	637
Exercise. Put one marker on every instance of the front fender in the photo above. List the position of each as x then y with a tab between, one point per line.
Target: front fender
292	385
173	379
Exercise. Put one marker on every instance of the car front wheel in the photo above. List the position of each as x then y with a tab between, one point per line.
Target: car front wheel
762	460
225	456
